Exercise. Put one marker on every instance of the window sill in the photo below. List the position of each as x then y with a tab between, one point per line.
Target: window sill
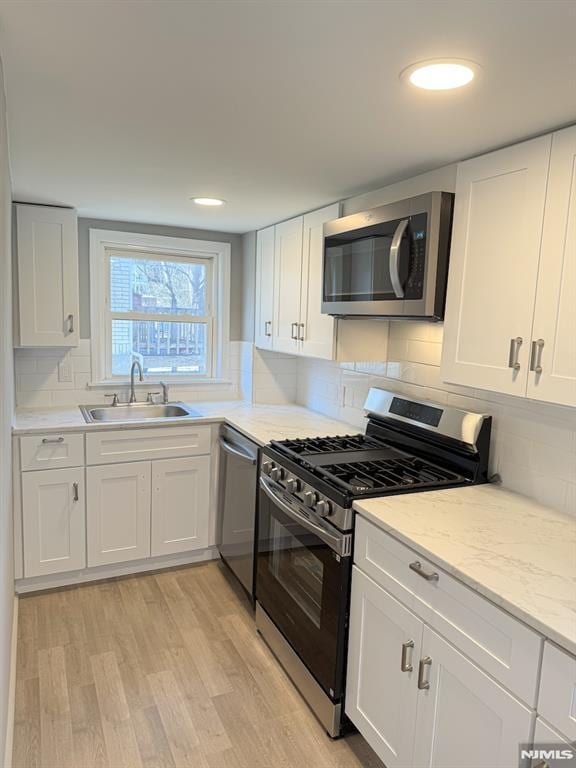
170	383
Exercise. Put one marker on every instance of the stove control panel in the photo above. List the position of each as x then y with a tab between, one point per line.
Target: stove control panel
306	494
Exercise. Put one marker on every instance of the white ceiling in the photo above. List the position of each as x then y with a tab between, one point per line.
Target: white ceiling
126	109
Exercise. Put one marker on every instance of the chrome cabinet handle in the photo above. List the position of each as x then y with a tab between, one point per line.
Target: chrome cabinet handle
301	334
515	345
536	356
423	682
294	333
50	440
406	660
76	496
70	323
416	566
395	259
268	328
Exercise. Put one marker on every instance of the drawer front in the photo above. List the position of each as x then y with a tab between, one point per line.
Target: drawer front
499	643
145	444
557	700
51	451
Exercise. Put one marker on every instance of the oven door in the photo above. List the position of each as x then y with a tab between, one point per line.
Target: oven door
375	269
303	582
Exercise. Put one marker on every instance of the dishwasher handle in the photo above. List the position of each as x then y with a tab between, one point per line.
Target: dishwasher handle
234	451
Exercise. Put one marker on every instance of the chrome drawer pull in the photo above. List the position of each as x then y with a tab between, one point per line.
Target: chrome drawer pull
406	661
294	333
76	496
417	567
70	323
515	345
268	328
423	682
536	356
48	440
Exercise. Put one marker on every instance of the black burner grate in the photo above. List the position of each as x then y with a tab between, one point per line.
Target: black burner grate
320	445
387	474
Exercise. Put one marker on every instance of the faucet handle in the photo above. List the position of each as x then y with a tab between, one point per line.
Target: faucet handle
114	397
151	397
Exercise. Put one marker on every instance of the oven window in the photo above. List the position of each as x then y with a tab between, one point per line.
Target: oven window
298	570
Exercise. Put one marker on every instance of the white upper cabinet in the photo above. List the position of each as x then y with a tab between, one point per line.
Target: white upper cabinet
510	310
315	330
498	217
552	375
46	312
287	283
264	288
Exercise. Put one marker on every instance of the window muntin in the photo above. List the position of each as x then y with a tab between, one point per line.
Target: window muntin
159	311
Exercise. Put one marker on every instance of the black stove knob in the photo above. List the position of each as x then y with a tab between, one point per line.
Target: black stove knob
323	508
310	499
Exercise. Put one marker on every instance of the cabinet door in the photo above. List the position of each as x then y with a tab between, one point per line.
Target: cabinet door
316	331
54	521
180	504
287	280
554	347
464	718
118	512
498	217
264	288
47	241
380	697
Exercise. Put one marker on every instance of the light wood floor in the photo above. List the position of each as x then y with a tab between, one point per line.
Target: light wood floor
160	670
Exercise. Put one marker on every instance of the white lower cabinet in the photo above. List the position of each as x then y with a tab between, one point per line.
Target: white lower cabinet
381	693
180	498
416	698
118	512
464	718
53	521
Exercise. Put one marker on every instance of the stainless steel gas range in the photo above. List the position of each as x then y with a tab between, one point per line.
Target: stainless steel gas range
305	526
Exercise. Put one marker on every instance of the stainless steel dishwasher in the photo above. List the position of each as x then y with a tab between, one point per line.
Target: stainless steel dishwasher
237	505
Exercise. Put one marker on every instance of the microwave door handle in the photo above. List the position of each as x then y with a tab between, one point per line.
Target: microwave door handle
340	544
395	258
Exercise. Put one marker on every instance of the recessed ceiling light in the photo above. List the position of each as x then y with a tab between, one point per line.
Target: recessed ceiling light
208	201
440	74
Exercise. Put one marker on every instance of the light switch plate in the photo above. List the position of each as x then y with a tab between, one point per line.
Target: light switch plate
64	371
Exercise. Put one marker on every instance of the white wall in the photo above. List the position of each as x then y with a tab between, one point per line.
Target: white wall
6	411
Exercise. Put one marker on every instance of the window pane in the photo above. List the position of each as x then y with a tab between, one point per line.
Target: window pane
162	348
160	287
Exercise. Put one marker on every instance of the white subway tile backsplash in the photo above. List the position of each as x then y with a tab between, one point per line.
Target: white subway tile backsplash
533	444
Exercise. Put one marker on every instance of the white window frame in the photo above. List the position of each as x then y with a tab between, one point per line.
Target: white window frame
102	243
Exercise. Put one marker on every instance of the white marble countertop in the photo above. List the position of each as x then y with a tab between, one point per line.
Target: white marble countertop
262	423
516	552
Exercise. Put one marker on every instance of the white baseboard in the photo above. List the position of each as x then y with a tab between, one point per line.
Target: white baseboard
9	740
38	583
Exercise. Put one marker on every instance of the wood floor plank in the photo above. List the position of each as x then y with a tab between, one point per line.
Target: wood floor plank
87	734
119	736
55	716
175	716
27	657
152	740
27	746
209	669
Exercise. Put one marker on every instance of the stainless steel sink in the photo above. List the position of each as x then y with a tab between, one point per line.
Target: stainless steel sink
136	412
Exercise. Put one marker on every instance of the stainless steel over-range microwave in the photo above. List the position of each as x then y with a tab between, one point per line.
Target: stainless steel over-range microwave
390	261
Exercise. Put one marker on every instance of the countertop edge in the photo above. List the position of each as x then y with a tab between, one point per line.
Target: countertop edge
501	602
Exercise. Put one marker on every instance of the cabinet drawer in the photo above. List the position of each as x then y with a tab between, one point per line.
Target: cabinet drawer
52	451
146	444
557	701
500	644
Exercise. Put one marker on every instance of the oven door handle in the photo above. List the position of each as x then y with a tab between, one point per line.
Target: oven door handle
395	258
341	544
